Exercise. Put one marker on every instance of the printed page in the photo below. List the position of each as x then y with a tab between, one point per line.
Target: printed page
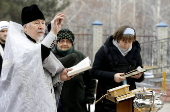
80	67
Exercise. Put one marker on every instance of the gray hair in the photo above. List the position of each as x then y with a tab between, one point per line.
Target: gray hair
27	25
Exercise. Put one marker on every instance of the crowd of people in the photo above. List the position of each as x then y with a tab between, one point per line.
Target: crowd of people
33	75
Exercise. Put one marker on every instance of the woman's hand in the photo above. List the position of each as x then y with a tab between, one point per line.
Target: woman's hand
118	77
137	76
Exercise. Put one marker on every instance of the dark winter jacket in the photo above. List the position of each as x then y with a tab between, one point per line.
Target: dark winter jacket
109	61
78	91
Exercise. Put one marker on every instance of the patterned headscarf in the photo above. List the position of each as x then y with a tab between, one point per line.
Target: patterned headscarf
65	34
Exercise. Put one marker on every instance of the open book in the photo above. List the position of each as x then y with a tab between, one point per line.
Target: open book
80	67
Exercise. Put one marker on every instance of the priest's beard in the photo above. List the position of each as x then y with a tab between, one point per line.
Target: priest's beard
40	38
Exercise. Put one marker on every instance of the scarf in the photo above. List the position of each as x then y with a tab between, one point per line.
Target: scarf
124	52
65	52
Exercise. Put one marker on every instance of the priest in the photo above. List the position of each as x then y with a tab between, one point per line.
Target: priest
30	70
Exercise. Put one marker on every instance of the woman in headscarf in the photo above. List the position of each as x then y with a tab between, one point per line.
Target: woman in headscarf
78	91
119	54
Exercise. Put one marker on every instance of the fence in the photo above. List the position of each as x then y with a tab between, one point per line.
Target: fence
156	53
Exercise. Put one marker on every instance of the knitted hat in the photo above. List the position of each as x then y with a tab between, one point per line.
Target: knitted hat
65	34
31	13
4	24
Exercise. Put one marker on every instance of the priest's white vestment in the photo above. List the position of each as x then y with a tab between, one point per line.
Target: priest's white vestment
26	82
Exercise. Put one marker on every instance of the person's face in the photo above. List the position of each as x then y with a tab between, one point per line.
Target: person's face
124	44
64	44
35	29
3	35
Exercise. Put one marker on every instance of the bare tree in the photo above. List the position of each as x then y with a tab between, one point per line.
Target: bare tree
10	10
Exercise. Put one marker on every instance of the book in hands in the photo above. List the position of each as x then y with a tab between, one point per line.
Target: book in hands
138	70
80	67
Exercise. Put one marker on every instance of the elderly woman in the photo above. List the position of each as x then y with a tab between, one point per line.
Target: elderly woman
78	91
119	54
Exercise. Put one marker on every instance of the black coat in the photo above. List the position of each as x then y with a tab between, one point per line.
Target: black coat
109	62
78	91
